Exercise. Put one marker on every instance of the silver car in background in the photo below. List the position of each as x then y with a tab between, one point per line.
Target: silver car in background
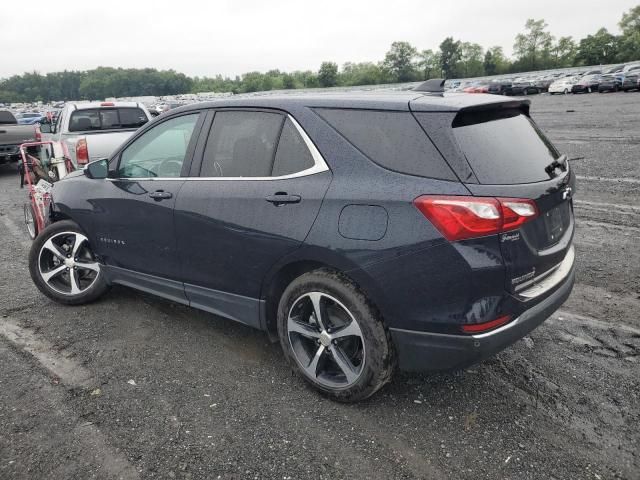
84	132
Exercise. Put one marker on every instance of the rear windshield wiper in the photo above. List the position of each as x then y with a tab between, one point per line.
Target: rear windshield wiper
560	162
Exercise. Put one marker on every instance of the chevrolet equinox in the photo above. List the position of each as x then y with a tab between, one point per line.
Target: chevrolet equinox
367	232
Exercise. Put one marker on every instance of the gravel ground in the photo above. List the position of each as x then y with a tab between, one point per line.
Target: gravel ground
137	387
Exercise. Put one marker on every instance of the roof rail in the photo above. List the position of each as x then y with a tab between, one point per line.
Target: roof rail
433	85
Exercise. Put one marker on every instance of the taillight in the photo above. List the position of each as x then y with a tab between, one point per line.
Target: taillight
485	326
38	134
462	217
82	152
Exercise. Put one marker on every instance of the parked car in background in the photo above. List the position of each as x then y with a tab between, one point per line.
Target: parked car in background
84	132
524	88
614	69
334	222
477	88
12	135
631	82
501	87
631	66
543	83
562	85
587	84
29	118
610	83
165	107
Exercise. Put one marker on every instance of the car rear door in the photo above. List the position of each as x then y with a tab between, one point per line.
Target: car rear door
133	209
259	186
498	151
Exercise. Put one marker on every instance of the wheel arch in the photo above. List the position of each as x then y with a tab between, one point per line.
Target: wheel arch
304	261
56	215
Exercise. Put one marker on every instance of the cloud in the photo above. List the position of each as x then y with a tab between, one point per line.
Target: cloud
235	36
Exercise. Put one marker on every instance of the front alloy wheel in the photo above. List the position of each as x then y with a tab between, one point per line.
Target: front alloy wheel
66	263
63	267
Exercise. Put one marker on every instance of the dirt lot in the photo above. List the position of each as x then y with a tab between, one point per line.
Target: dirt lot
137	387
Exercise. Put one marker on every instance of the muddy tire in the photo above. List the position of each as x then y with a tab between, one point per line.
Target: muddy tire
334	337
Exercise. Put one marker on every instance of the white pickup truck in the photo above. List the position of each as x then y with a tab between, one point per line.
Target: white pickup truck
84	132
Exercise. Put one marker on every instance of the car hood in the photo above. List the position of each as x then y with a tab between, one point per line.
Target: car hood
74	174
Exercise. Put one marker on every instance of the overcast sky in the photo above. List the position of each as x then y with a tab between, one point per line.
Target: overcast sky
200	37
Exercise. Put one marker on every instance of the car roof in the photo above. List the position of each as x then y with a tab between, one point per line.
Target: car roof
389	100
107	104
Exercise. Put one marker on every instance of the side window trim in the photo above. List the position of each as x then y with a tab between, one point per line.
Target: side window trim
319	164
188	157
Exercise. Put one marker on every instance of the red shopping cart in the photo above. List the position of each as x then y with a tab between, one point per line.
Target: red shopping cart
33	175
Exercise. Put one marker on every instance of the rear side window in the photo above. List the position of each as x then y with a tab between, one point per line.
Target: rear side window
106	119
393	140
241	144
503	146
292	155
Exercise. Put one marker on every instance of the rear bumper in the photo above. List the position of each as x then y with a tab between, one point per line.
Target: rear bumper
425	351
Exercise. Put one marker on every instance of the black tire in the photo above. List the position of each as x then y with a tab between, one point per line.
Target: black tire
30	220
90	284
379	362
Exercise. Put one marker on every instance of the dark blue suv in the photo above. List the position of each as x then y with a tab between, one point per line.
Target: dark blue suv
365	231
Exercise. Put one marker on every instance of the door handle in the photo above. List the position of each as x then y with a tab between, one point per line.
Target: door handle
281	198
160	195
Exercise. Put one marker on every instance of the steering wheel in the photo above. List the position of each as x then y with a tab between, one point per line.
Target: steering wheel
170	167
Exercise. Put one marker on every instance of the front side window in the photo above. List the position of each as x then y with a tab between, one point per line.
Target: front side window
159	152
241	144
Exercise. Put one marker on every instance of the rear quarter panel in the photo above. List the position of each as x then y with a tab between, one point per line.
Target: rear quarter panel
412	274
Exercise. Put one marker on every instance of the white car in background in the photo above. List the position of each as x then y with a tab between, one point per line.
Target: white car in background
563	85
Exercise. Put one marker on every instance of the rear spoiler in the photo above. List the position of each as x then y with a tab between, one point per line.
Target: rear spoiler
523	105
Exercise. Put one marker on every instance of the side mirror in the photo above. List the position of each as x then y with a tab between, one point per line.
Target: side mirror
45	128
97	169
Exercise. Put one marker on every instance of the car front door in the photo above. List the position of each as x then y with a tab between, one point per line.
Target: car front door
132	210
260	186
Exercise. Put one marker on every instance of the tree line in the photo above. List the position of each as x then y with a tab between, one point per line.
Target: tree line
534	49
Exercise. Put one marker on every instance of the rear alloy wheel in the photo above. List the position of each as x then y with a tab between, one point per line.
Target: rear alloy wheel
334	337
326	340
63	266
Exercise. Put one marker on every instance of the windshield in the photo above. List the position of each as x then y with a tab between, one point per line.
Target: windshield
106	119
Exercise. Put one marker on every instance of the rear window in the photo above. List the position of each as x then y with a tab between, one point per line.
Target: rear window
503	147
393	140
106	119
7	118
